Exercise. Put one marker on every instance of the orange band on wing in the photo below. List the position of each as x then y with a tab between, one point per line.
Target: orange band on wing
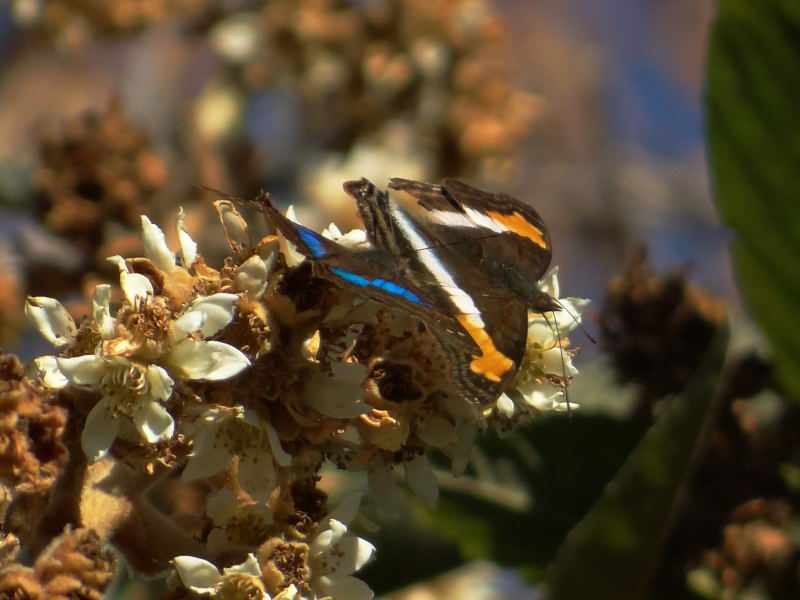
492	363
518	224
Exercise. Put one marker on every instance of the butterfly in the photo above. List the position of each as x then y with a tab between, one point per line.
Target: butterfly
463	261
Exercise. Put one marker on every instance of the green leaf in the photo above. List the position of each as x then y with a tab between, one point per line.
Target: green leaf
612	552
754	141
534	486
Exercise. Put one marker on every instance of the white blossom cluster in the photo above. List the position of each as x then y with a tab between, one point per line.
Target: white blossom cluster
257	383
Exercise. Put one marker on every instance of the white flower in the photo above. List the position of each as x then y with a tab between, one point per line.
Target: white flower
101	311
335	554
355	238
544	353
155	246
288	249
47	368
203	577
387	496
135	286
235	227
339	395
199	359
236	525
51	319
220	433
544	396
421	479
132	387
126	389
505	406
436	431
251	277
188	246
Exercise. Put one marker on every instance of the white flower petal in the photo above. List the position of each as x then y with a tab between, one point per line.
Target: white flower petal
332	232
288	593
466	432
505	406
540	332
101	310
384	489
353	553
206	459
213	361
549	282
159	383
153	421
188	245
251	277
355	238
570	315
221	505
248	567
85	370
196	573
339	396
541	396
344	586
249	416
421	478
99	431
51	375
155	246
217	310
345	511
235	227
288	249
134	285
323	544
282	457
257	474
437	431
51	319
209	453
186	324
557	362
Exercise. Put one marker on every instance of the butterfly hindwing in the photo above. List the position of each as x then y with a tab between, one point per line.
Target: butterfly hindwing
494	319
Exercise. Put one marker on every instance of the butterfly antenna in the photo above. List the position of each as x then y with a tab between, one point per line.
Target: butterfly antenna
575	320
221	194
563	363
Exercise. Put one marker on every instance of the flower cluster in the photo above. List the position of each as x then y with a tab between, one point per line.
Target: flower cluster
433	71
246	379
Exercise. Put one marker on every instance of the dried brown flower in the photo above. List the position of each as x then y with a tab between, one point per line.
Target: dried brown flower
439	67
657	328
31	452
100	168
75	565
72	23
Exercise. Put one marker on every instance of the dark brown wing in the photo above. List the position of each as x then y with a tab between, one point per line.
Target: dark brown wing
493	318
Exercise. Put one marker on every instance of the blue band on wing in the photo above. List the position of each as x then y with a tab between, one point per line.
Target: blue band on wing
313	240
387	286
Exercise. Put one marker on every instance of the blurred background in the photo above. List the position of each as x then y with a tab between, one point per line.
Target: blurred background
590	110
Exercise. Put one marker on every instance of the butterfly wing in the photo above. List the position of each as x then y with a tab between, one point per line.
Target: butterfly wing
494	319
375	274
494	228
